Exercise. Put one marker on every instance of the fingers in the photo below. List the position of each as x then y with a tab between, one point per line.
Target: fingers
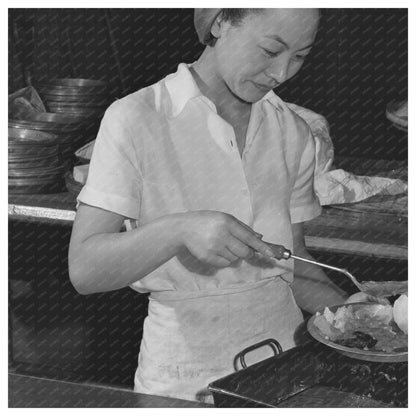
248	228
229	255
219	261
248	237
239	249
225	259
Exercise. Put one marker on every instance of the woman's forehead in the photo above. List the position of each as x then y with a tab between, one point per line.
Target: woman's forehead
292	25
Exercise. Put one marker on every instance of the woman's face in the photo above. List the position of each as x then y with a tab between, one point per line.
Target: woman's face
264	50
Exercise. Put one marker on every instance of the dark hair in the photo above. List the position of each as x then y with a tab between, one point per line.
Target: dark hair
235	17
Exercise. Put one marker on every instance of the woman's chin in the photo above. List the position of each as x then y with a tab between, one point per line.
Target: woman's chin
250	97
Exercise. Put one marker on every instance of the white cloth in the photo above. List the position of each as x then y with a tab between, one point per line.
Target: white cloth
163	150
199	337
337	186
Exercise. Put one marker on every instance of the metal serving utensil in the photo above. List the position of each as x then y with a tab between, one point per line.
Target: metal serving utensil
376	289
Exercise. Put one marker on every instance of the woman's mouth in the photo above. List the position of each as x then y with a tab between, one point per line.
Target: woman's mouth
263	87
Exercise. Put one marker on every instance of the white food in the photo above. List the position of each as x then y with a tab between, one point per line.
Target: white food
329	315
342	316
400	313
382	313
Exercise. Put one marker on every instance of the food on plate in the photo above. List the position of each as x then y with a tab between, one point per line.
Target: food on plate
384	289
400	313
372	327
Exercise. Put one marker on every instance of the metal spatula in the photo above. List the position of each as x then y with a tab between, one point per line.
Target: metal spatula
376	289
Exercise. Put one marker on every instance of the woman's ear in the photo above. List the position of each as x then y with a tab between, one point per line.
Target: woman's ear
217	26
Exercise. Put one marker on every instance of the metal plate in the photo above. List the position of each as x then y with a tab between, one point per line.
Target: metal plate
28	150
377	356
31	136
35	181
34	163
41	159
73	86
48	126
38	173
95	99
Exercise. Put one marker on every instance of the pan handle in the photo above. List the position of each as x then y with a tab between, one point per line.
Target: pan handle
275	346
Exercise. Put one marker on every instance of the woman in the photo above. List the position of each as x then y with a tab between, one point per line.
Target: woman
205	167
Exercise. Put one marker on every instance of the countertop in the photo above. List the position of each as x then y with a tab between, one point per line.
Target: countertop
36	392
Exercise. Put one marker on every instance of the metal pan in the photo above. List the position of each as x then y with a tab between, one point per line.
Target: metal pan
35	163
97	99
31	136
31	173
77	82
313	375
85	112
32	151
49	126
73	86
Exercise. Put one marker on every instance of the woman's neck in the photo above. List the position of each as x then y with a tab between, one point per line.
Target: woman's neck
213	86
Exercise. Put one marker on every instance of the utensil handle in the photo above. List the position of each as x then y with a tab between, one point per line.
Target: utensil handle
276	347
280	252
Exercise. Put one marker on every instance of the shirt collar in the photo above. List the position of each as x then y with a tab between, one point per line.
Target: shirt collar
182	87
273	99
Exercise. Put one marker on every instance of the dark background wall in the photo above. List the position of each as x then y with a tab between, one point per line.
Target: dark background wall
358	65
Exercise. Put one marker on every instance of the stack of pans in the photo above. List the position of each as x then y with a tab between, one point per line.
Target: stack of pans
34	163
75	107
70	131
81	97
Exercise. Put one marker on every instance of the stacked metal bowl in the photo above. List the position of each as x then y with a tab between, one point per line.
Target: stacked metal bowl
81	97
34	162
70	131
75	107
86	99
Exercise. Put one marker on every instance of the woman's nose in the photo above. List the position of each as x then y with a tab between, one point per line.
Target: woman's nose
279	69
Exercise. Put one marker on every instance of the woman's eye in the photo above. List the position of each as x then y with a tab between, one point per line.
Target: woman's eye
300	57
271	53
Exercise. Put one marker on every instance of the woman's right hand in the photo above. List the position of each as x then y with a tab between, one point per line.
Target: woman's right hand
219	239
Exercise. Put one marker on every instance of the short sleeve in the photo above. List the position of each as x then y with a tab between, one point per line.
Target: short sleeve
114	180
304	204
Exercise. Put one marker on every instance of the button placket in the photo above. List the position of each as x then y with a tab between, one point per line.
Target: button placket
225	134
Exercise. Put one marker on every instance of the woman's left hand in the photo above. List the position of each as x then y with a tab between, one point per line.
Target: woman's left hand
364	297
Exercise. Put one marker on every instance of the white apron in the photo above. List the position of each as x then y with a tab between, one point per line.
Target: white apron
191	338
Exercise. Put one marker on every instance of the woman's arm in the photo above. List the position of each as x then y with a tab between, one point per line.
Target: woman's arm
312	288
103	259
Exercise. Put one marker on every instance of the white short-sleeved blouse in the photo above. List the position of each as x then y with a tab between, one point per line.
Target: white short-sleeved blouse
164	149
